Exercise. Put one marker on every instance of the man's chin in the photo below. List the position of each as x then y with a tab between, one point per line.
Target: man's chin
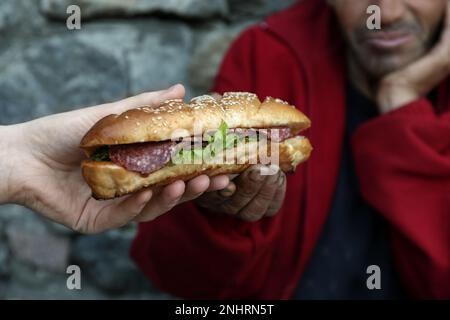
378	70
378	67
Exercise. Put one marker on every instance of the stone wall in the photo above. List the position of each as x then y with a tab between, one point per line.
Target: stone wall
123	48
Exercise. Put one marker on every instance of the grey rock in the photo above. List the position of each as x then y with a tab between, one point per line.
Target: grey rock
208	54
9	14
241	10
105	261
74	74
115	37
20	95
97	8
4	259
55	75
161	57
30	242
59	229
28	282
3	289
15	215
15	16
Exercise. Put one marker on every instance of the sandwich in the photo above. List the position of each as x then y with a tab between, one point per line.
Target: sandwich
212	135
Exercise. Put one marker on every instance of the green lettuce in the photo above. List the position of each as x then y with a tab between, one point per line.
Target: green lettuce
219	141
101	154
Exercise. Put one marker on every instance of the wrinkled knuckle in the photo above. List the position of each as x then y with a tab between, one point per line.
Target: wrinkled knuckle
266	194
246	192
230	209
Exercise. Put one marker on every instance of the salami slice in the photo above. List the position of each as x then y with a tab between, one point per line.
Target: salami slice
278	134
144	158
148	157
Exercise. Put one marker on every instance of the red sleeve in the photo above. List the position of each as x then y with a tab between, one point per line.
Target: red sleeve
197	254
403	161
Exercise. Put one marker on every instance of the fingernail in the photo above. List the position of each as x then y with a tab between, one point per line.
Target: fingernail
227	192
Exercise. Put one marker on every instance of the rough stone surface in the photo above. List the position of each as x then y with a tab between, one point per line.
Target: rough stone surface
73	74
4	259
105	262
96	8
15	16
208	54
241	10
161	57
40	249
123	48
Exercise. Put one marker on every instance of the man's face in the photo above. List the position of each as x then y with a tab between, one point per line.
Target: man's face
408	28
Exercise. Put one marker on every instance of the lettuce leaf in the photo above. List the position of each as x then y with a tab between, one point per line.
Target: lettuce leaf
219	141
101	154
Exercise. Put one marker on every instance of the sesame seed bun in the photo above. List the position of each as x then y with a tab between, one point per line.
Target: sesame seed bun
108	180
146	124
237	109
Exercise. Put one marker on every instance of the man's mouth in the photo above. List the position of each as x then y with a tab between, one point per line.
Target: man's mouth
391	40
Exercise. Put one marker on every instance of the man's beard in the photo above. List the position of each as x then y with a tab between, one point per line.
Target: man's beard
378	64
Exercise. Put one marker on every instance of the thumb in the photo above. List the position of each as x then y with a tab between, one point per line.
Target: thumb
151	98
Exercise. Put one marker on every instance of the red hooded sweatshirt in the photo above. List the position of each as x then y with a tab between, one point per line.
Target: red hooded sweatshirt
402	161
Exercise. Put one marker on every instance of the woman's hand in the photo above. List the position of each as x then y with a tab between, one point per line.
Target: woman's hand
40	168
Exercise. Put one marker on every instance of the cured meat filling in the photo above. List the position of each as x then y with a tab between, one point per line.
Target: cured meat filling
148	157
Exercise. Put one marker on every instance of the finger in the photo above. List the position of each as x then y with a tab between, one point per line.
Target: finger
277	200
195	187
162	202
151	98
218	183
118	212
214	200
258	206
248	185
228	191
434	66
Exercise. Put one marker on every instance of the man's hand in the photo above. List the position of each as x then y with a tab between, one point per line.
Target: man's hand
250	196
40	168
418	79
